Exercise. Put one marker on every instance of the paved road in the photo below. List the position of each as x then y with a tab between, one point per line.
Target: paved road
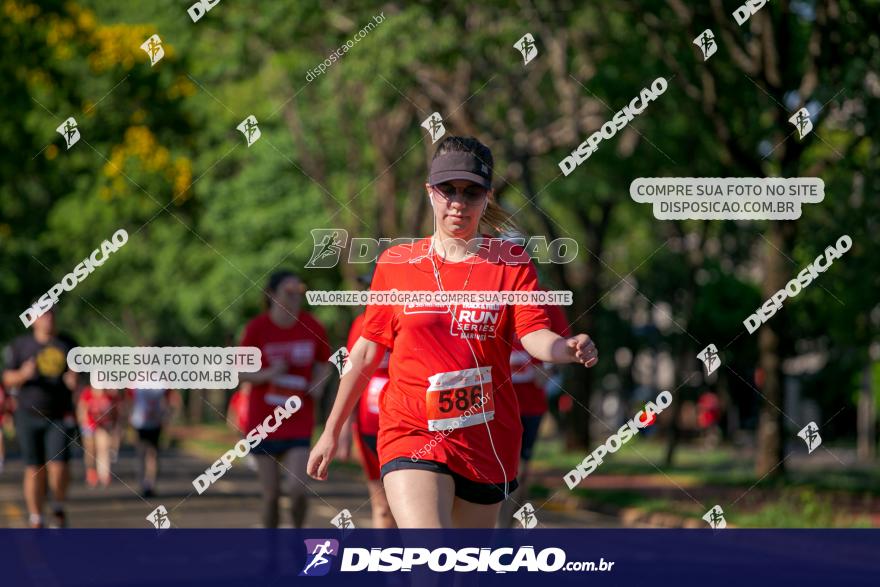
232	502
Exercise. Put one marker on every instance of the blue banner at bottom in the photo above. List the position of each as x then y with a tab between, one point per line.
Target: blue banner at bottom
273	558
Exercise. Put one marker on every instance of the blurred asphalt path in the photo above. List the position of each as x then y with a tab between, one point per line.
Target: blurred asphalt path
232	502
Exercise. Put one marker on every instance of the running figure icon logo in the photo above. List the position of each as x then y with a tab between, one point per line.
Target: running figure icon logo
715	518
526	46
709	356
526	516
340	359
343	520
328	245
153	48
810	434
434	125
801	121
319	556
250	130
69	130
159	518
706	42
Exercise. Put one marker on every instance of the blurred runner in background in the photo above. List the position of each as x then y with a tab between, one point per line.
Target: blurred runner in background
36	365
236	412
236	417
149	411
529	377
7	407
709	418
294	352
99	415
367	428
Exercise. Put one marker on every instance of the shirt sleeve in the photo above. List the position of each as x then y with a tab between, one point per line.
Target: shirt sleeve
378	325
250	337
355	333
10	357
527	319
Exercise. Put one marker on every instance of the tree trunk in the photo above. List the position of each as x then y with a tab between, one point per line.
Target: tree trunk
772	349
577	422
867	416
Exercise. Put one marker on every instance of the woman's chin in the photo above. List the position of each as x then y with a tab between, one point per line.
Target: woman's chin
460	229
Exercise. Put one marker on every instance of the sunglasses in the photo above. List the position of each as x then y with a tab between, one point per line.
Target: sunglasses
470	194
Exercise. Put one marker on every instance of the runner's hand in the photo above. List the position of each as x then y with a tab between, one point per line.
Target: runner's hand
69	379
583	350
320	457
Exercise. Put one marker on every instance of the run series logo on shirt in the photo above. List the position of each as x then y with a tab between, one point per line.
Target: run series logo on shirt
298	352
475	322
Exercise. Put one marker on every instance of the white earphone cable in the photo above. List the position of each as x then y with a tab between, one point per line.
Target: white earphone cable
471	348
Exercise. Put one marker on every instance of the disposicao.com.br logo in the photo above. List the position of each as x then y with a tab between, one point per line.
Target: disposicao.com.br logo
441	560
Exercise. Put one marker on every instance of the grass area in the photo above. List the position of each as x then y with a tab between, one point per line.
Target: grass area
803	499
795	508
803	508
827	497
722	466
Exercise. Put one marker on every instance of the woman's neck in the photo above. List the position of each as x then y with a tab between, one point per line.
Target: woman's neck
42	336
453	248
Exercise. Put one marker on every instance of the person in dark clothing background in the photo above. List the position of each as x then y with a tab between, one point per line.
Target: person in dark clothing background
35	366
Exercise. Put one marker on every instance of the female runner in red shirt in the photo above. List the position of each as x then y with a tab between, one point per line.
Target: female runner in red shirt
294	350
449	428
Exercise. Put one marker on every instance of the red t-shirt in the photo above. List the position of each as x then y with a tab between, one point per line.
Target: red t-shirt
102	408
368	405
434	381
532	400
302	345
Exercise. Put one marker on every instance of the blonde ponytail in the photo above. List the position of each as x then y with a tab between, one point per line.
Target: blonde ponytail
496	219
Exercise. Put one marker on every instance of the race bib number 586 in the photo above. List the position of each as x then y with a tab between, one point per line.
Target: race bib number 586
458	399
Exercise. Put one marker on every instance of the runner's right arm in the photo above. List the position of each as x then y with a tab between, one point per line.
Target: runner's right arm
364	358
18	377
17	372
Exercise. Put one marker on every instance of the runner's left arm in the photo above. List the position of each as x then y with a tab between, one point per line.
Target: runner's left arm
546	345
